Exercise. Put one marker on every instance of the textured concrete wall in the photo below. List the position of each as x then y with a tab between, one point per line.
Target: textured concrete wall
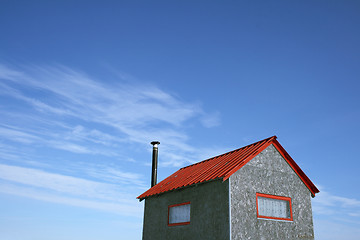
209	213
269	173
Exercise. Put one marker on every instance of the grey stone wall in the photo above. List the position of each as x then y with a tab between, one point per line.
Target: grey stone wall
269	173
209	213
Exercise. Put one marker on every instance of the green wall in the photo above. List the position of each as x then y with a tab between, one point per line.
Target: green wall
209	213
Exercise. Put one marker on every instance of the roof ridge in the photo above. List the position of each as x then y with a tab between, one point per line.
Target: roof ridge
223	154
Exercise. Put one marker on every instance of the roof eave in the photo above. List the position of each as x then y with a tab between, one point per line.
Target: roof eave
183	187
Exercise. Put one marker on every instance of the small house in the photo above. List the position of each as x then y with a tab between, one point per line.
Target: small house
254	192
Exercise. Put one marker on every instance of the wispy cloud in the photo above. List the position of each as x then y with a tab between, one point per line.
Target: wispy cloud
18	135
58	123
116	175
58	188
136	112
340	212
58	182
211	120
126	209
326	203
122	105
335	217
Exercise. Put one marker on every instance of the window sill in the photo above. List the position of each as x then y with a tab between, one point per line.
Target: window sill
275	219
178	224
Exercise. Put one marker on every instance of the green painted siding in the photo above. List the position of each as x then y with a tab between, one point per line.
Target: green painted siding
209	213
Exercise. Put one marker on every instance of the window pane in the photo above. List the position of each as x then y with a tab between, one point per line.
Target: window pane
271	207
179	214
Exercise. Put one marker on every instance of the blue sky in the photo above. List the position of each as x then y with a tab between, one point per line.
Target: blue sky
86	85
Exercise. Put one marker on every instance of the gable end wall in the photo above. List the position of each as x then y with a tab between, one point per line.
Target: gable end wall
269	173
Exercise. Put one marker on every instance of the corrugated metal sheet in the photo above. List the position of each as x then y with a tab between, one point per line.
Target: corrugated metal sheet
222	167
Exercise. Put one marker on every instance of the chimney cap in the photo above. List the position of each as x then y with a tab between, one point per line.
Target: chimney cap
155	143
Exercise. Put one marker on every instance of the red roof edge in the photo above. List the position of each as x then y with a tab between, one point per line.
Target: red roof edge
272	140
309	184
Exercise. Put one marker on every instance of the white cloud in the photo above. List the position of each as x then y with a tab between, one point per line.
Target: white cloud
86	98
116	175
56	182
80	133
8	73
326	203
120	207
18	135
57	188
71	147
211	120
71	141
136	112
52	110
336	217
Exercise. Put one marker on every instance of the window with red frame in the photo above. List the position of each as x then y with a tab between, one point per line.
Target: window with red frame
273	207
179	214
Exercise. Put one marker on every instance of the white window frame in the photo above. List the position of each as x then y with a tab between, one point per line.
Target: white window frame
171	208
262	215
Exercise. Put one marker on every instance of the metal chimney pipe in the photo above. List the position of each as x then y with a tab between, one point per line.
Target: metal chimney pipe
154	163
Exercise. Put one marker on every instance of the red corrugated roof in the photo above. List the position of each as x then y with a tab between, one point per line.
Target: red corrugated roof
222	167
